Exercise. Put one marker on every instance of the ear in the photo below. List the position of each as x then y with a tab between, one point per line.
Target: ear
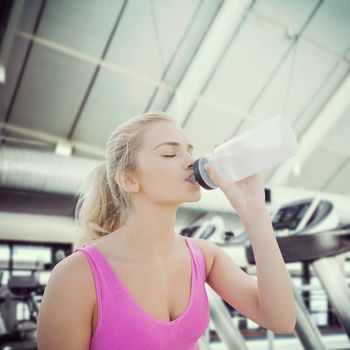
128	182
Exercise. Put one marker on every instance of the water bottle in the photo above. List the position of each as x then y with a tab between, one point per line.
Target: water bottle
268	143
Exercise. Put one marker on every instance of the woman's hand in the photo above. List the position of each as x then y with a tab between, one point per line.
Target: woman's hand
246	195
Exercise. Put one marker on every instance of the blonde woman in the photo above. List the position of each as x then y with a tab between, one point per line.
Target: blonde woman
136	284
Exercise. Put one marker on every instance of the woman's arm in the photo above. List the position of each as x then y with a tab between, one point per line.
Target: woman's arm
269	301
275	293
243	292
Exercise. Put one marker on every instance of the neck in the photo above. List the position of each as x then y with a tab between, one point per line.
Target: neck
149	232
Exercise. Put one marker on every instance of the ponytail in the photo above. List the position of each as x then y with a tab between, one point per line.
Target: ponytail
96	212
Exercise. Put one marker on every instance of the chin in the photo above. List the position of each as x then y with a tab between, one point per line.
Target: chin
195	197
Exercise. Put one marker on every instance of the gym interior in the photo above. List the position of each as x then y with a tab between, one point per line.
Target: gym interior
73	70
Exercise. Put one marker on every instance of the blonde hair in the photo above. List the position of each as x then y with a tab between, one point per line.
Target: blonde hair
102	205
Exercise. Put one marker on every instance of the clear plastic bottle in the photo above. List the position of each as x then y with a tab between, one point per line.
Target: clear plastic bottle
268	143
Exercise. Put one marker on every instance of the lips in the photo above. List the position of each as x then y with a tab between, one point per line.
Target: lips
191	179
188	177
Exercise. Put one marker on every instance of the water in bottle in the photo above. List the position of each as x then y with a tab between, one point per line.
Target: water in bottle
268	143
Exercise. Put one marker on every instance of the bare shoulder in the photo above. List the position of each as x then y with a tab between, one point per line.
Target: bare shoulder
209	250
65	313
74	267
74	274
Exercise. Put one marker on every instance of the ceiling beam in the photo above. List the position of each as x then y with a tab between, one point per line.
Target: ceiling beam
207	57
313	136
53	139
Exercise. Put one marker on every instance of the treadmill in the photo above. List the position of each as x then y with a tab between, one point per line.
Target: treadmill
304	242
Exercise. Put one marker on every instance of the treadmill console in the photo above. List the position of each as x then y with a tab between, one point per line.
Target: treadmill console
290	216
305	216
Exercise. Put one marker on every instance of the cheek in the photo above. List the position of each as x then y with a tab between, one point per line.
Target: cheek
162	182
162	170
159	177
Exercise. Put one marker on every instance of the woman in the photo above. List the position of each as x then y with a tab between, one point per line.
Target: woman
136	284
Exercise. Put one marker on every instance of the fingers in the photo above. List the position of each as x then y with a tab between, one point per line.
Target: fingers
212	173
215	177
218	144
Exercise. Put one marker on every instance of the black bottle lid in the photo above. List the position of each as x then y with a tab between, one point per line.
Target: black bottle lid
199	164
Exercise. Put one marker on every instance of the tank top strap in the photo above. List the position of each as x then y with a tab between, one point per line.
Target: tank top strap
199	258
99	266
101	271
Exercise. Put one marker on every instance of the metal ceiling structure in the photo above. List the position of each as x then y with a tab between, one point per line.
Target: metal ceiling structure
77	69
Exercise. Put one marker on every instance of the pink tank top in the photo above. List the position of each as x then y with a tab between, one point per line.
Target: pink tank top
123	325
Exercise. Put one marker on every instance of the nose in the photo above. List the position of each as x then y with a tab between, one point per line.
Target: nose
191	163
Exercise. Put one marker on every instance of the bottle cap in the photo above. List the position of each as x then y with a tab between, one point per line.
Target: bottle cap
201	175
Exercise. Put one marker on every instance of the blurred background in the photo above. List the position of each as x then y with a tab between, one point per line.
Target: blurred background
73	70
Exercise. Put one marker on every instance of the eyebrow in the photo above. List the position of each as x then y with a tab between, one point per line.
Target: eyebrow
173	144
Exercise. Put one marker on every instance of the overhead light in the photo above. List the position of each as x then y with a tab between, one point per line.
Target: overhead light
2	74
64	148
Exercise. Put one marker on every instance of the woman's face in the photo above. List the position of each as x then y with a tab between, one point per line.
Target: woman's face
162	167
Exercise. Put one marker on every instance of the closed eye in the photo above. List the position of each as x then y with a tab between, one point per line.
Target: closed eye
170	156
